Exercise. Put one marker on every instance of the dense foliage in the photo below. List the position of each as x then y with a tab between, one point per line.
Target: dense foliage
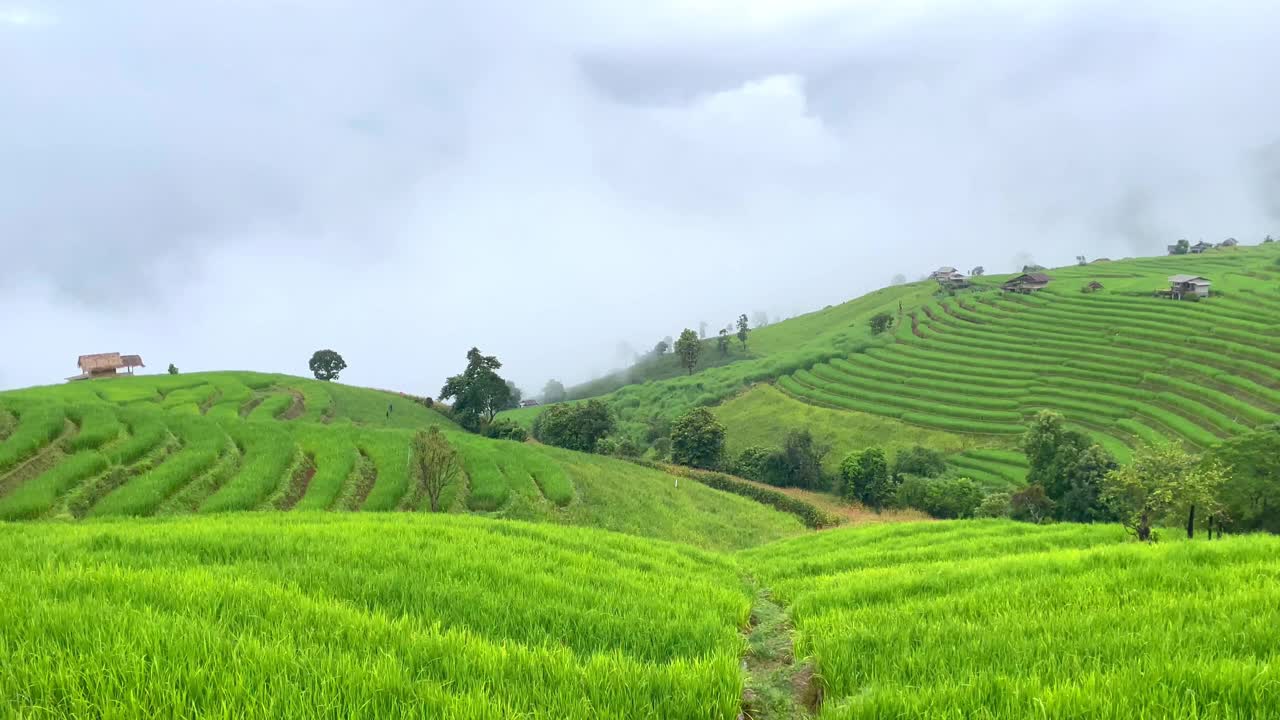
324	364
697	440
577	426
478	392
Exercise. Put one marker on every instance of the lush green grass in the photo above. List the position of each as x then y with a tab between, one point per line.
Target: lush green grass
331	615
221	442
997	619
764	415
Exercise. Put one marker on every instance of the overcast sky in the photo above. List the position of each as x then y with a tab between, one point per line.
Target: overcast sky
233	184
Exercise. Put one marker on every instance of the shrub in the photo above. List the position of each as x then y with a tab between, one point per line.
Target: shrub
661	448
504	429
751	462
798	464
809	514
944	498
921	461
995	505
576	427
864	476
697	439
1030	504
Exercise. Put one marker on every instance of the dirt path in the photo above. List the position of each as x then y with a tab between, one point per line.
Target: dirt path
298	483
364	475
777	686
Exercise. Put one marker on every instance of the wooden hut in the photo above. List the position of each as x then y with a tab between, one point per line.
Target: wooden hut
103	365
1027	283
1187	286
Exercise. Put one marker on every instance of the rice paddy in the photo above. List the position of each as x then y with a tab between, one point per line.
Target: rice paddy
225	442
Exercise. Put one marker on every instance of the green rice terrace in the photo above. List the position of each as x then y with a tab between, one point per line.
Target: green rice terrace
248	545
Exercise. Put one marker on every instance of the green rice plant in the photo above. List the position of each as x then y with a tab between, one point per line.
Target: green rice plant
98	423
269	452
929	390
271	407
146	432
1239	408
36	497
38	425
202	442
390	453
488	487
335	455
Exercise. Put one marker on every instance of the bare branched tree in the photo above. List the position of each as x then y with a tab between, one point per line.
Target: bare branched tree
439	466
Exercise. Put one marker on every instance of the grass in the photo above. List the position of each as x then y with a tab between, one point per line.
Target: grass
329	615
165	445
996	619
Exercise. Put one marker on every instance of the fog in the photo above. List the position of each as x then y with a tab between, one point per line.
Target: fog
235	184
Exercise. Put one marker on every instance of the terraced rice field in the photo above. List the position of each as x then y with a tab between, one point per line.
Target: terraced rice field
1119	364
345	616
225	442
994	619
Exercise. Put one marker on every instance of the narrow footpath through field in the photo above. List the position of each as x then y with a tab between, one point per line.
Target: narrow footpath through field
778	686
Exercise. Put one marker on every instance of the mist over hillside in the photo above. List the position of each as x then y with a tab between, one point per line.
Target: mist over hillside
545	183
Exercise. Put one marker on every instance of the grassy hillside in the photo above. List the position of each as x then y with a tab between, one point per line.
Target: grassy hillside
386	615
220	442
771	351
997	619
347	616
1119	363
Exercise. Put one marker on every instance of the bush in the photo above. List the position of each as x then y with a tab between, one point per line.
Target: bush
697	440
921	461
1030	504
944	498
503	429
751	462
995	505
798	464
864	476
618	446
661	448
575	427
809	514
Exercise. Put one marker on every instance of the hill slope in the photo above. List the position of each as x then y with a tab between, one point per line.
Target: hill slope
965	372
217	442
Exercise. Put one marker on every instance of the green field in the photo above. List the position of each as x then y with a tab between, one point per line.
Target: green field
1120	364
452	616
224	442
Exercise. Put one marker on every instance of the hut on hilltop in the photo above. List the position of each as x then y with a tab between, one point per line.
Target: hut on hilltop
104	365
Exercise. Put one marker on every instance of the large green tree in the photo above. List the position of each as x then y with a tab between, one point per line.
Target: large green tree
1251	495
478	392
326	364
1164	483
697	439
1069	466
688	349
743	329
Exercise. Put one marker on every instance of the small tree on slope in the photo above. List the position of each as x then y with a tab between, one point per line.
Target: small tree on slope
1163	483
697	439
688	348
438	465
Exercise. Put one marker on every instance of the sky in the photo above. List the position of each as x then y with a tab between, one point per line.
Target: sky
233	184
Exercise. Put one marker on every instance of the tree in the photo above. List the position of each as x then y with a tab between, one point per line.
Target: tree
798	464
1164	483
702	329
865	477
944	498
661	348
1030	505
722	342
1081	261
919	460
1069	466
479	391
697	439
173	369
759	319
743	329
1268	239
1182	247
688	348
1251	496
899	279
574	426
436	464
751	462
880	322
514	395
553	392
326	364
978	271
